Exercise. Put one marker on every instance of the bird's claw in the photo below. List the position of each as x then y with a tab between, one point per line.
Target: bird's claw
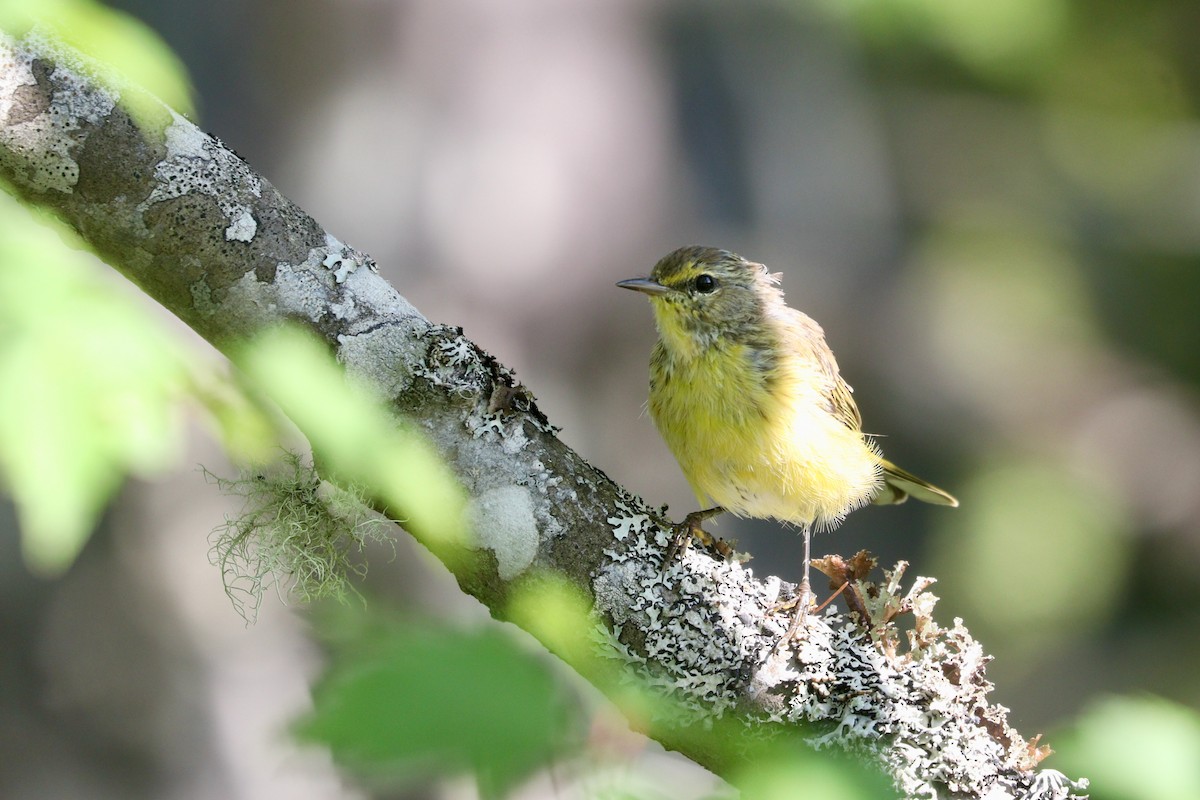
688	529
681	539
802	602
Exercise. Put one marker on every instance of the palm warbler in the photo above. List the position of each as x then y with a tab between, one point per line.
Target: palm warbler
749	398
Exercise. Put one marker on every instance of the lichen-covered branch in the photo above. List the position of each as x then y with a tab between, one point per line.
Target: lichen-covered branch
189	222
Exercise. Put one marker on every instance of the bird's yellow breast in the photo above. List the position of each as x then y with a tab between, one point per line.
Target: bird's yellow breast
756	436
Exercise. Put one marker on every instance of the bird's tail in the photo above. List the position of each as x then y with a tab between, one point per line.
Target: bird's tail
899	485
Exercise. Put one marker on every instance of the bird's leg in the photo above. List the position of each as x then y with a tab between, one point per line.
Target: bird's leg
684	531
804	593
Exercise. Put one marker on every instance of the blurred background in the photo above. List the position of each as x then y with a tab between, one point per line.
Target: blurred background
993	209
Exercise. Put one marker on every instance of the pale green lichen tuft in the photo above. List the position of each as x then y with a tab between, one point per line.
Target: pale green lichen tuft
294	533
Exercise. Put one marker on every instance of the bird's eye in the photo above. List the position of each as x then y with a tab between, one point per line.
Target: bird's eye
705	283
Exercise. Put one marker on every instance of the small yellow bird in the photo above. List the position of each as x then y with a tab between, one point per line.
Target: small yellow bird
749	398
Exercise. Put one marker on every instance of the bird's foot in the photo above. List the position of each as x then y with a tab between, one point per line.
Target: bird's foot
802	602
684	532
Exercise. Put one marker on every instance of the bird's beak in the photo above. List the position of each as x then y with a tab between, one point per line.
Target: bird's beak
644	285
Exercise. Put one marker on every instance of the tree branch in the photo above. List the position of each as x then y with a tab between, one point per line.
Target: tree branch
191	224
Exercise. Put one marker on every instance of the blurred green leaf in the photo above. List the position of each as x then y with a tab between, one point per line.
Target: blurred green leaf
781	771
89	388
1050	545
251	429
1004	308
414	701
998	39
1134	748
354	437
117	40
555	611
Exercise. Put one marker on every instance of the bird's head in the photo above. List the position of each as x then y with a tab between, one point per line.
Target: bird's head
702	295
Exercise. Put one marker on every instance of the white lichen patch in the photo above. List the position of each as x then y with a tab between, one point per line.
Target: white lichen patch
344	310
248	299
298	292
515	442
920	713
342	264
344	260
367	296
185	140
454	364
503	522
197	164
242	228
384	355
45	138
701	633
691	618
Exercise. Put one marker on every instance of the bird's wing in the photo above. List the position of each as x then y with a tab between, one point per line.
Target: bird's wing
838	393
843	405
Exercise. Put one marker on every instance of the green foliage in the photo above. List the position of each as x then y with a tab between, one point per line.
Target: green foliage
295	529
356	441
1134	748
114	39
89	388
93	389
782	773
410	701
999	39
1047	542
555	611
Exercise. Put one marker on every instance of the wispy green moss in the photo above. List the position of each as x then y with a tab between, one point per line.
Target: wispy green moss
294	533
